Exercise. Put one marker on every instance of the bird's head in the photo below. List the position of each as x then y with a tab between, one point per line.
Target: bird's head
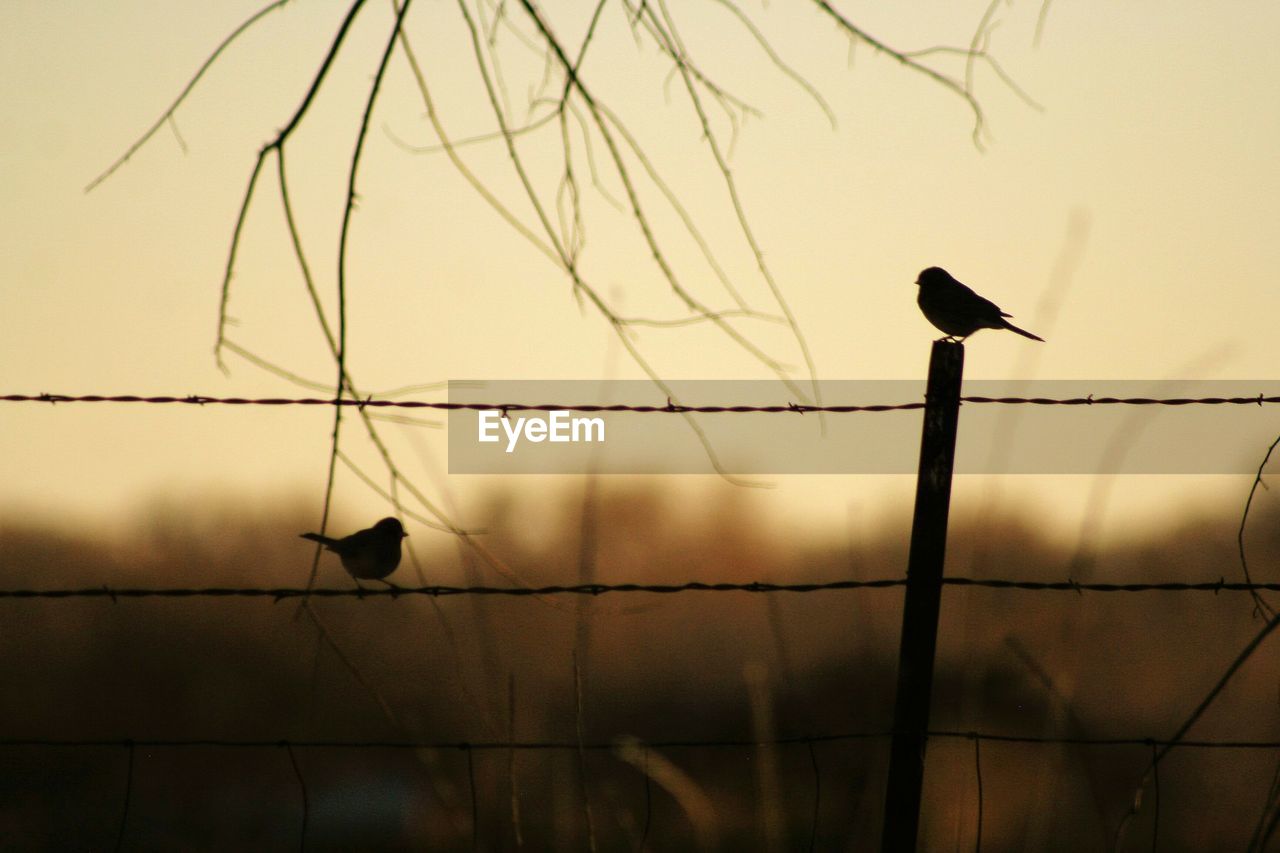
391	527
933	275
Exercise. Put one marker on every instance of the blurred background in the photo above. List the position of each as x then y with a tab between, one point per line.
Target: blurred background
1106	175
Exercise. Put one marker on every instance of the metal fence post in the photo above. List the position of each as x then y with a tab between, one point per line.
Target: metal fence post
923	597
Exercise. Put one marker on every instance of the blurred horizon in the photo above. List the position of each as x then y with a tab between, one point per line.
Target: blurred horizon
1056	664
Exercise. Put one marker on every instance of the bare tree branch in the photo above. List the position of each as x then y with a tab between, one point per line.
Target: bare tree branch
167	115
778	62
946	82
276	145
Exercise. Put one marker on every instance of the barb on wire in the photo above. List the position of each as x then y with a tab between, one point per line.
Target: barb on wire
565	246
668	38
597	589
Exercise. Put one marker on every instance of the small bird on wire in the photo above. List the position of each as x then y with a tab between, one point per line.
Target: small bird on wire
370	554
957	310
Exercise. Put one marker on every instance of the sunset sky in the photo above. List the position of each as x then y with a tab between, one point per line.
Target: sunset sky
1130	219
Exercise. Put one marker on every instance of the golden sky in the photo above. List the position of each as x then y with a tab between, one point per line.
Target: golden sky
1150	163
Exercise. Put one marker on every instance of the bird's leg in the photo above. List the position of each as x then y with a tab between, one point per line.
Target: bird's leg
390	584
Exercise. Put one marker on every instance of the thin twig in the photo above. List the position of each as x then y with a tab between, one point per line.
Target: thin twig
736	201
817	799
277	145
1260	604
343	242
1040	21
977	771
583	779
168	114
1155	826
128	795
778	62
475	798
946	82
1193	718
306	801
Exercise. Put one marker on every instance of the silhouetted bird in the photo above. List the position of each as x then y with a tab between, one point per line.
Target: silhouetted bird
370	554
957	310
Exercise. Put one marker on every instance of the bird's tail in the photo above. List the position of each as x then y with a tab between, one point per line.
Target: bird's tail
1022	332
316	537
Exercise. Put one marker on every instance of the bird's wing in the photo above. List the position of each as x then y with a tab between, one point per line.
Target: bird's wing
962	298
988	307
356	542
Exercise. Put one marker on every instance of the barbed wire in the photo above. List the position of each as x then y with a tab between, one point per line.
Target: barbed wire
668	408
619	745
553	745
596	589
1158	747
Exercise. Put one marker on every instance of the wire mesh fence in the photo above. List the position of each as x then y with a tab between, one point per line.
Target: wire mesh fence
811	822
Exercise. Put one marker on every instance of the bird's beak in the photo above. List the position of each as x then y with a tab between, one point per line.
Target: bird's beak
404	535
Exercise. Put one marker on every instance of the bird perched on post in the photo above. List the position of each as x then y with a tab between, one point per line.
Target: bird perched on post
957	310
370	554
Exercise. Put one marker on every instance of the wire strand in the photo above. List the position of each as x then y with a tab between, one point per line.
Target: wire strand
668	408
281	593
